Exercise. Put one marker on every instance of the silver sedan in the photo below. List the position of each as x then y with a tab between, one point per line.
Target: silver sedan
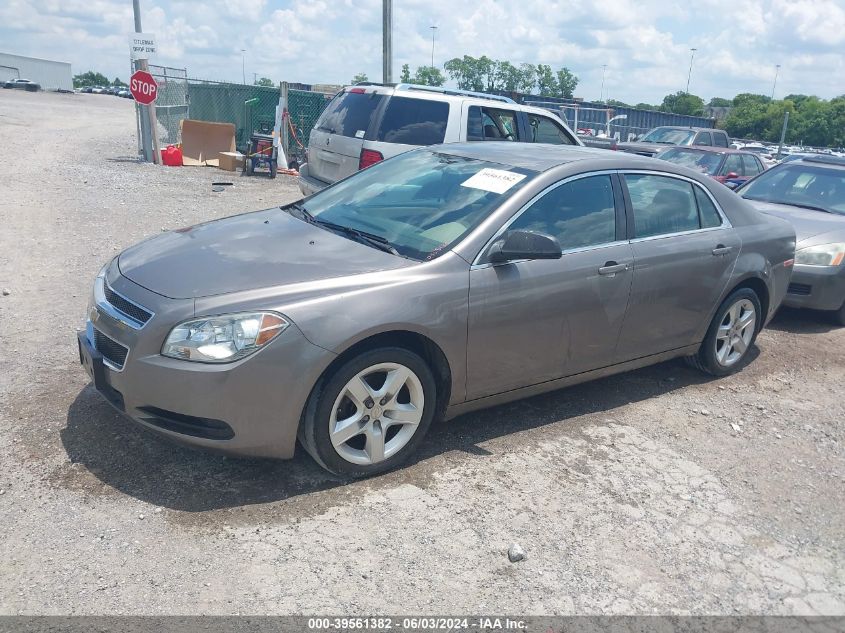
441	281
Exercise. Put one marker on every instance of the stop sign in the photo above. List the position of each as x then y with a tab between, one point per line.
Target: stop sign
143	87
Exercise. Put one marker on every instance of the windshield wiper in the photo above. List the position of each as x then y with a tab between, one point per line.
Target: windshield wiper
300	212
376	241
808	206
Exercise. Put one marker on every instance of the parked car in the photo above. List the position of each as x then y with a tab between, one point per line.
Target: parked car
656	139
367	123
443	280
23	84
809	192
728	166
98	90
124	92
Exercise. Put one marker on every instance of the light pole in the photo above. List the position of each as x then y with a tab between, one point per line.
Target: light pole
601	94
433	31
689	75
775	82
243	65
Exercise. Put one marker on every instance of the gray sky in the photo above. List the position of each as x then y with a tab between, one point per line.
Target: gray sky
644	43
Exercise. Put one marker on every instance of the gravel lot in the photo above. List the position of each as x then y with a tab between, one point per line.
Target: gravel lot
657	491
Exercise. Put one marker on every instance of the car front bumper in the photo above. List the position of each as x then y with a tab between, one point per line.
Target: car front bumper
251	407
816	287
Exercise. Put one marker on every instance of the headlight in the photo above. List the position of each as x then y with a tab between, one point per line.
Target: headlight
223	339
822	255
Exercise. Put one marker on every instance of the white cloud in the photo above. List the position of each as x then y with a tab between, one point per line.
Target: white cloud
644	43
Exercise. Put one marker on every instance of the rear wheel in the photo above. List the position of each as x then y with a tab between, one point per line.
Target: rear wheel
370	415
839	315
731	334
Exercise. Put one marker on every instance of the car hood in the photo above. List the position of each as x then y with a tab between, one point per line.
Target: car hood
247	252
648	149
807	223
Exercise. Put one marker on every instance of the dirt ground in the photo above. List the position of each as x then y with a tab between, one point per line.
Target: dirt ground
657	491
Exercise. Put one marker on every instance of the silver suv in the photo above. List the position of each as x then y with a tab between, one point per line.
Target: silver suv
367	123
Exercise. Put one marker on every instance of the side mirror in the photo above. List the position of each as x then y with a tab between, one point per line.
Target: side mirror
731	175
515	245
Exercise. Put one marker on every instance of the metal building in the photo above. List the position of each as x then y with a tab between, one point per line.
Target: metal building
50	74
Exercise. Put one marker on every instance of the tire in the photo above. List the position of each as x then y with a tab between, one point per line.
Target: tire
839	315
365	445
725	347
250	167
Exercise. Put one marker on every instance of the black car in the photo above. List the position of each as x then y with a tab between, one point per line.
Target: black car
23	84
810	193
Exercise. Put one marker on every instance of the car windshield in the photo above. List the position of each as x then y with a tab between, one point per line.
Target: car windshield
800	185
419	203
669	135
704	162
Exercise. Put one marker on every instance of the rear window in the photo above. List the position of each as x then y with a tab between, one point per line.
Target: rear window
413	121
349	114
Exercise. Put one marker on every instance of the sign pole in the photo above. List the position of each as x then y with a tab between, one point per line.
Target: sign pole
151	111
146	133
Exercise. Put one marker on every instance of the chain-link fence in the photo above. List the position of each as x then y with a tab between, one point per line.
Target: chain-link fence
249	108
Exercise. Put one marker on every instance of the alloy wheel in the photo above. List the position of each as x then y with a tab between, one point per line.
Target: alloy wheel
735	332
376	413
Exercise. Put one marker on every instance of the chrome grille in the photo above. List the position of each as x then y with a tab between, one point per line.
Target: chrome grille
112	351
127	307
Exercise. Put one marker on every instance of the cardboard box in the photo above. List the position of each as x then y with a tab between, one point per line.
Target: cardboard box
230	161
202	141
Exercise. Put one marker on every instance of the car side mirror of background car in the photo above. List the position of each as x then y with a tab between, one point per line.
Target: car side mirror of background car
515	245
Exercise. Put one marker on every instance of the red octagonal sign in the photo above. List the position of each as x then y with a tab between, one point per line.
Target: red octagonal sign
143	87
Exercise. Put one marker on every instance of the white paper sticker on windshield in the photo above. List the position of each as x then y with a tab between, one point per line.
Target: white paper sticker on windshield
495	180
360	133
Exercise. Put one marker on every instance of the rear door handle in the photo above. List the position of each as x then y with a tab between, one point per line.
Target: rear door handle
611	268
721	249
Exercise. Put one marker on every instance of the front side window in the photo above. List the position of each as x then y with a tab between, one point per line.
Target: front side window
703	138
420	203
720	139
579	213
733	165
544	130
661	205
349	114
491	124
413	121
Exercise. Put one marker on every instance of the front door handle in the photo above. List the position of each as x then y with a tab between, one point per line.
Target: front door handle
611	268
721	249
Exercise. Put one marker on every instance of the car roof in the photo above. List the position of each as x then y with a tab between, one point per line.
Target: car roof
687	127
541	156
821	159
708	149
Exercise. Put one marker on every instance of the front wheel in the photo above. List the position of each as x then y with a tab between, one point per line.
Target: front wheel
731	334
371	414
839	315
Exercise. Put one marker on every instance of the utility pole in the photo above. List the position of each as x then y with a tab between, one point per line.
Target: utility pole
783	132
689	76
433	31
387	41
601	94
775	82
243	65
144	113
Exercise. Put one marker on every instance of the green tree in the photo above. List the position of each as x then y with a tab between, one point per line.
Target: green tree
527	78
566	83
471	73
646	106
546	81
683	103
616	104
405	78
429	76
719	102
360	78
265	81
90	78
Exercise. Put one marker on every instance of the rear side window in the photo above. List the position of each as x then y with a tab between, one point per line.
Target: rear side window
661	205
706	210
413	121
720	139
752	165
349	114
